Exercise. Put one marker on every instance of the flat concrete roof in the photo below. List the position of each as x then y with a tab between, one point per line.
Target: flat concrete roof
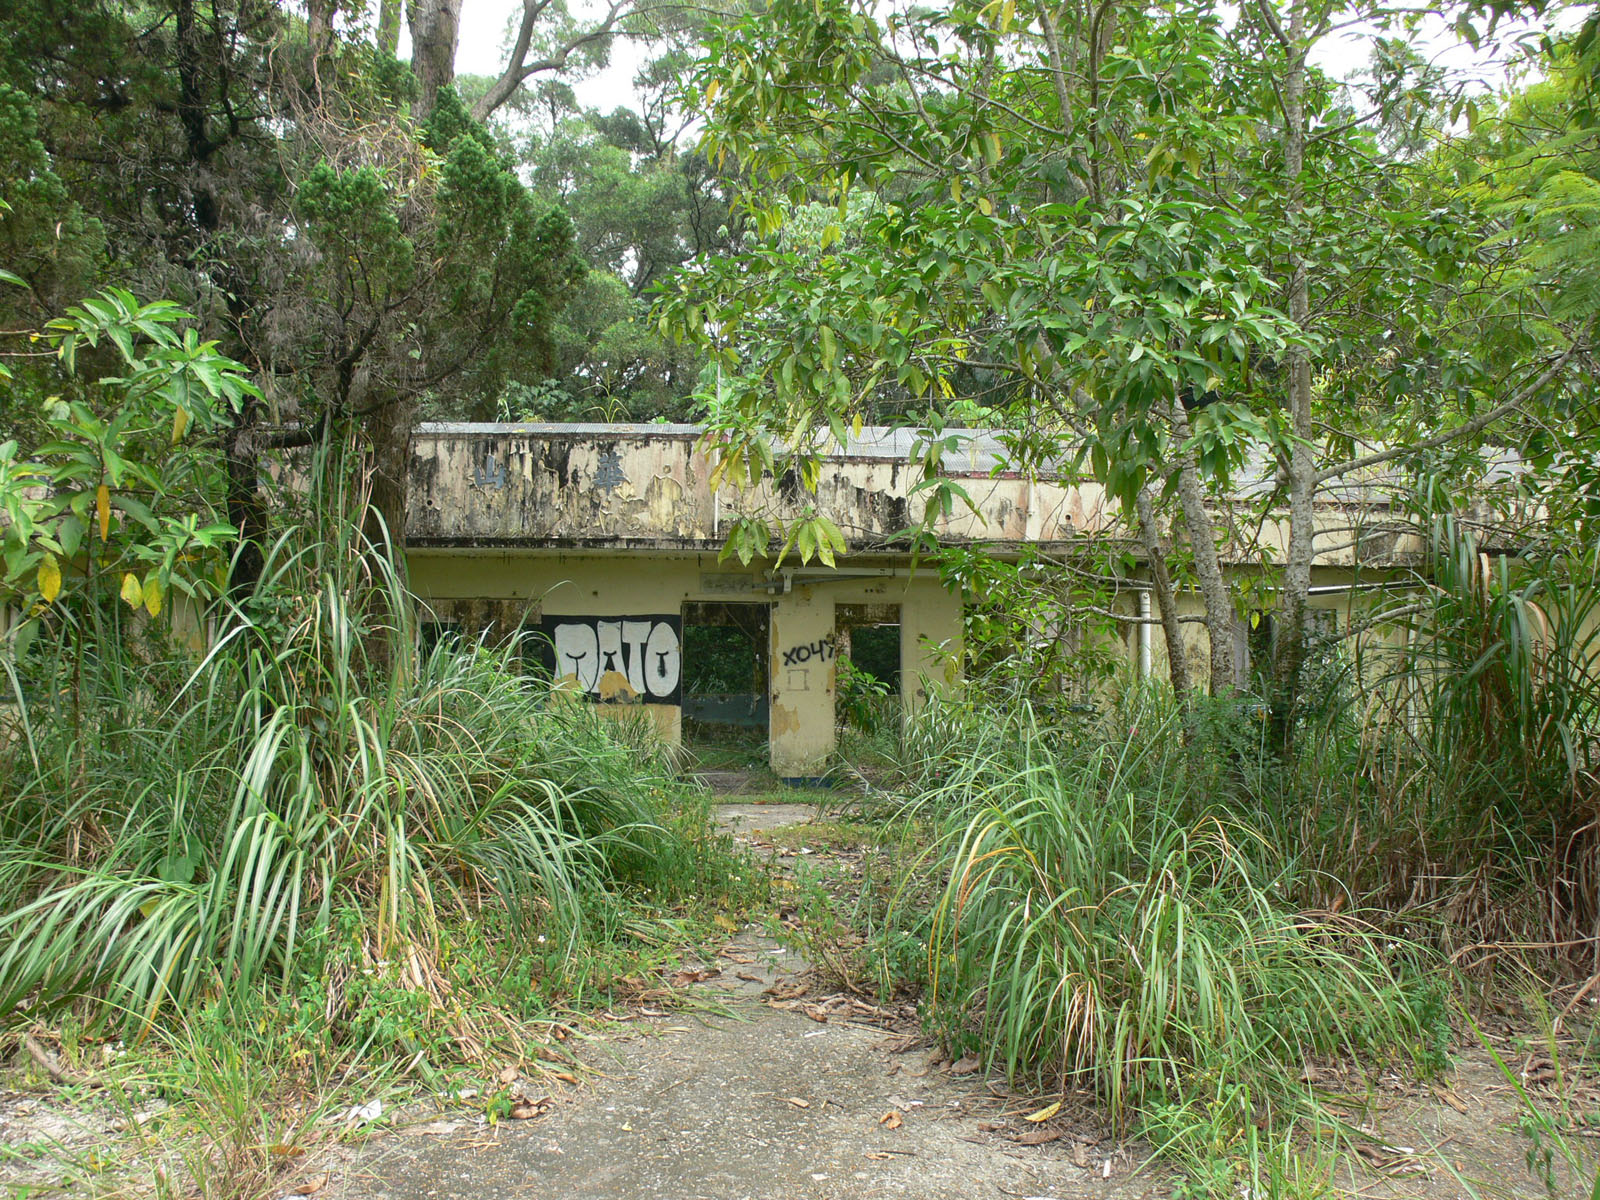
980	450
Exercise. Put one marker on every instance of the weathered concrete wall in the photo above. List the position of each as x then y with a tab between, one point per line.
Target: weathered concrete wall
649	486
1357	597
531	588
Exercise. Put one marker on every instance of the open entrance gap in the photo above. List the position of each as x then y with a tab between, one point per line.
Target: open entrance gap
868	640
725	672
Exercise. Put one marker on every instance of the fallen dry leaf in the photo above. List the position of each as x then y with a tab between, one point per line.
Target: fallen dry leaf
695	975
724	922
1044	1114
787	989
526	1110
878	1156
799	1103
965	1065
509	1075
1392	1160
1450	1098
311	1186
891	1120
820	1015
566	1077
747	977
991	1126
1080	1156
282	1151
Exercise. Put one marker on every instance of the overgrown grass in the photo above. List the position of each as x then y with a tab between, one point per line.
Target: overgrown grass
318	799
1114	911
1448	775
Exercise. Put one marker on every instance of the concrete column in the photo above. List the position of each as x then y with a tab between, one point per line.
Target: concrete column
802	686
930	640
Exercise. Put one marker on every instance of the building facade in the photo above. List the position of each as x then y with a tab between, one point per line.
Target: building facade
606	541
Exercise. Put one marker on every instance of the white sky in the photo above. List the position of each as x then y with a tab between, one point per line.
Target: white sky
485	32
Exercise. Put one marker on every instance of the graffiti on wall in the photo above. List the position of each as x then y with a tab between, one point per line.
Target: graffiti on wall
489	473
617	660
608	472
822	650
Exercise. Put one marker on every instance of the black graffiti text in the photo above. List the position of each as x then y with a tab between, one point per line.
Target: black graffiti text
822	650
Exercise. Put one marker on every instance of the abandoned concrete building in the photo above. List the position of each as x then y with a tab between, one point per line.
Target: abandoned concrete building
605	539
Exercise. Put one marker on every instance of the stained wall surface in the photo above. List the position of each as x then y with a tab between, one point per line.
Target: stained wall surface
598	536
629	601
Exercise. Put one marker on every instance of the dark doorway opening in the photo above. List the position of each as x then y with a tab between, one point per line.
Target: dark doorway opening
868	640
725	710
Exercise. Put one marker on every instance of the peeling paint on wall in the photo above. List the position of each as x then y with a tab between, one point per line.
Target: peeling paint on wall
785	720
490	485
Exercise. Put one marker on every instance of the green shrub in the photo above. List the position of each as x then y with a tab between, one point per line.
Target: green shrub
212	824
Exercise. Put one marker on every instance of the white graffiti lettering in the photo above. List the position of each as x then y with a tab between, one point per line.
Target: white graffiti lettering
592	652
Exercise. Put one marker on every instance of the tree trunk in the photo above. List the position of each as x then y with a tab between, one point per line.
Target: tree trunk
1296	586
319	37
389	441
1222	622
388	26
1155	552
435	28
246	513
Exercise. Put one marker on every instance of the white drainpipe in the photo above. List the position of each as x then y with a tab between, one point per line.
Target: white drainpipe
1145	630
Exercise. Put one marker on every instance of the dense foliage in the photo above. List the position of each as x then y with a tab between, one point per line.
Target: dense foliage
244	248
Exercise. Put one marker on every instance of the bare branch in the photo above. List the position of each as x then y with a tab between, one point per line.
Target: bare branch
1466	429
519	70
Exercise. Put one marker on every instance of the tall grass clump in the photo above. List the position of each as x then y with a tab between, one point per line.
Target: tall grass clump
1457	788
315	793
1114	917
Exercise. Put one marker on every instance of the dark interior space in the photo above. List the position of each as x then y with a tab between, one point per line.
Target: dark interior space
725	682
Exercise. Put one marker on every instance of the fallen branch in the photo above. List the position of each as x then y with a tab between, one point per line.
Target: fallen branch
50	1062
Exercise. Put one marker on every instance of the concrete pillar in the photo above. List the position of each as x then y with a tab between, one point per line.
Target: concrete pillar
930	640
803	672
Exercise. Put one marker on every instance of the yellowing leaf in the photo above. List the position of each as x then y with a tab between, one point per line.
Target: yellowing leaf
102	508
955	188
49	578
722	921
1045	1113
180	422
985	207
152	595
712	89
1008	12
131	591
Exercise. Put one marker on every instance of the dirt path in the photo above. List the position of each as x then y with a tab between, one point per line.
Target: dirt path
764	1103
755	1088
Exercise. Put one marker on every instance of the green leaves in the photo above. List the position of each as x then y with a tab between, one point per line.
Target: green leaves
120	457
